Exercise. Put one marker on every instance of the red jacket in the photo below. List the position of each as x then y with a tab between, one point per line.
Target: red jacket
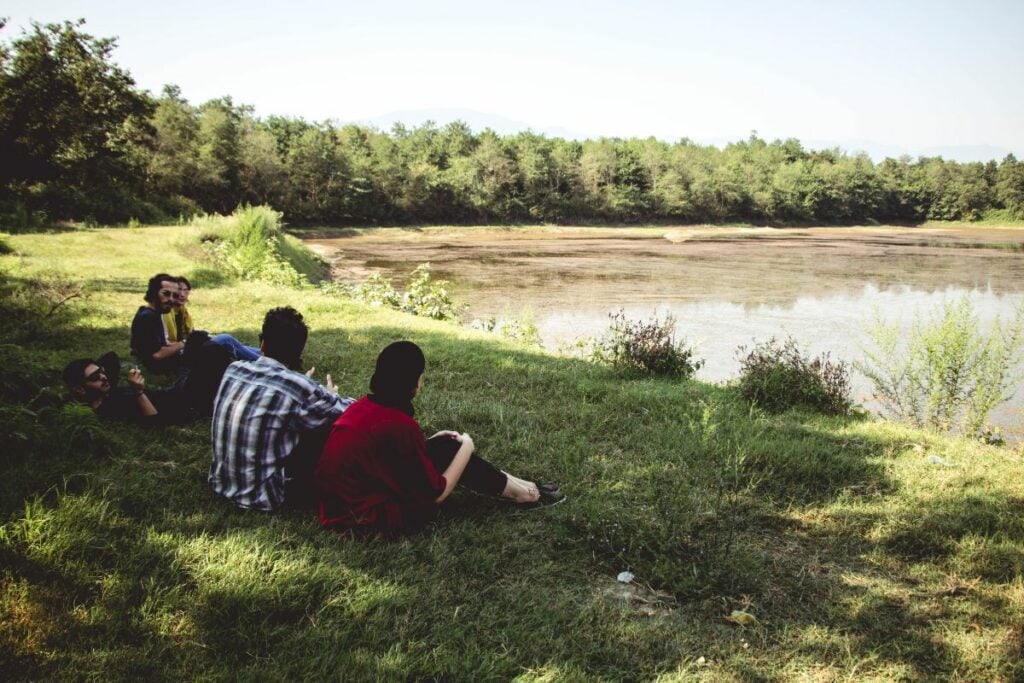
374	475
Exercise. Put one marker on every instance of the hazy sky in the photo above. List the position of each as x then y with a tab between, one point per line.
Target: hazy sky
913	74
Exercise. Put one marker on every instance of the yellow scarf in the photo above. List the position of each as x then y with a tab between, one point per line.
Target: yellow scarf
178	324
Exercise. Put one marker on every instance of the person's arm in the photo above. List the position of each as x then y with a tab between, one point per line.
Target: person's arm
149	342
454	471
138	385
321	406
168	350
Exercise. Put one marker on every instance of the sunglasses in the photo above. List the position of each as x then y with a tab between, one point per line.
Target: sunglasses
93	376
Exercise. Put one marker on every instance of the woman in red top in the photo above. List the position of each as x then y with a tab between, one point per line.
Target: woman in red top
378	474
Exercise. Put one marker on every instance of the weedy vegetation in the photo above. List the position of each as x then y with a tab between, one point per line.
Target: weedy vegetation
864	549
777	376
949	372
522	328
423	297
251	245
645	347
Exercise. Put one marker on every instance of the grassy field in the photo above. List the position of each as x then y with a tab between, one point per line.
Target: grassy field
865	550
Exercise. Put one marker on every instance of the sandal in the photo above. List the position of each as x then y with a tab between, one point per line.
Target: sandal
550	494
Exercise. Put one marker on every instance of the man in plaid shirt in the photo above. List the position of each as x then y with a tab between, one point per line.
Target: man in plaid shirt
270	421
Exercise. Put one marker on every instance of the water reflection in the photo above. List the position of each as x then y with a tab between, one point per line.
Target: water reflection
726	287
834	323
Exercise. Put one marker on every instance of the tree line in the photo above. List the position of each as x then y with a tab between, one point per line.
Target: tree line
78	140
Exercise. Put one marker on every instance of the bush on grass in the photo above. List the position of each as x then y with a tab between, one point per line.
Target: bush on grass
17	216
522	329
777	376
948	373
37	308
645	346
424	297
251	245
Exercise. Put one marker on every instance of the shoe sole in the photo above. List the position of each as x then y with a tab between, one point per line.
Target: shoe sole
530	507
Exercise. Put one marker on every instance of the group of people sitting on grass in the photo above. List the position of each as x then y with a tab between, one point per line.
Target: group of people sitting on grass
281	439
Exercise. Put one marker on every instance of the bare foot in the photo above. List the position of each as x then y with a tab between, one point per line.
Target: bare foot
520	491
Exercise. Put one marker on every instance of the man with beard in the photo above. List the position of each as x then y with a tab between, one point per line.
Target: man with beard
95	382
151	343
149	336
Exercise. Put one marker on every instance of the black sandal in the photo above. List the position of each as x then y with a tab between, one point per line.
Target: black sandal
550	494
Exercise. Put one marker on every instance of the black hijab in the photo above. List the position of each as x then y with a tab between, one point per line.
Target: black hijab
398	370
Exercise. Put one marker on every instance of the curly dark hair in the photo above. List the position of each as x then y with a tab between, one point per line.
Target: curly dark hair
154	285
284	335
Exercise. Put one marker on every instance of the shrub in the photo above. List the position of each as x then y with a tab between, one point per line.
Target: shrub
428	298
522	329
250	245
645	346
948	373
424	297
37	308
376	290
777	376
17	216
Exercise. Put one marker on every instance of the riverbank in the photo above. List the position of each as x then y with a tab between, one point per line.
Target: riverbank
725	286
863	549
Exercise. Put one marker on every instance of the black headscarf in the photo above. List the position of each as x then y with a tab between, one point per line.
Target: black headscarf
398	370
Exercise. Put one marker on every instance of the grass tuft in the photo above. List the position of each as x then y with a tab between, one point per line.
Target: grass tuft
859	555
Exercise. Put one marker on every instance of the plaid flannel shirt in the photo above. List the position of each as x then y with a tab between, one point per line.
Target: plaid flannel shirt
261	410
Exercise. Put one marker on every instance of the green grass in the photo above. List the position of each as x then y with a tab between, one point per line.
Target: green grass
860	558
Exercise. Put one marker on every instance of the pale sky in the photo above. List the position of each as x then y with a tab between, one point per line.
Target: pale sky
907	74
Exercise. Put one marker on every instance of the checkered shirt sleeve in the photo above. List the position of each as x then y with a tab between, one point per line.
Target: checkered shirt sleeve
261	410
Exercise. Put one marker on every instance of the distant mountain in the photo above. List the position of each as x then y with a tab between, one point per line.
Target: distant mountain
478	121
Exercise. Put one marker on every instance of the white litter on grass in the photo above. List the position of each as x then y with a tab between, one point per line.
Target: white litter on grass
936	460
625	577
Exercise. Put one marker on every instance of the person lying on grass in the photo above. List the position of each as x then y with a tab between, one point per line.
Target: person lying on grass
149	341
377	474
270	421
95	382
178	324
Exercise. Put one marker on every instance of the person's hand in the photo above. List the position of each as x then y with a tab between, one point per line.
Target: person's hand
464	438
329	384
448	432
136	380
309	373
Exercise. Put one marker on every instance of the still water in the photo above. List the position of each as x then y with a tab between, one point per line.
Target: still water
726	287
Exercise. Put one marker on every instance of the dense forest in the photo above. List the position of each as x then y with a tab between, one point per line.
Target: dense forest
79	140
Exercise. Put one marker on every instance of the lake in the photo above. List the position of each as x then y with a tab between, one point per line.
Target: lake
726	287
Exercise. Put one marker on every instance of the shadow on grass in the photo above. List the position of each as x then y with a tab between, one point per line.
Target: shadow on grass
169	575
921	587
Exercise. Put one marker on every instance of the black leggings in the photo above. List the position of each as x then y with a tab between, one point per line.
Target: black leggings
479	475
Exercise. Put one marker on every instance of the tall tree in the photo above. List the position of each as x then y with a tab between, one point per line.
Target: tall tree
68	117
1010	185
219	128
173	165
